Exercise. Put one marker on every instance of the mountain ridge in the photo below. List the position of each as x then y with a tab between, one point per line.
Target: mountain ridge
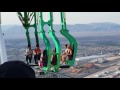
92	29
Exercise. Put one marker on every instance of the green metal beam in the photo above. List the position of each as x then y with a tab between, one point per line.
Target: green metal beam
71	39
35	26
54	38
26	19
46	41
56	42
26	25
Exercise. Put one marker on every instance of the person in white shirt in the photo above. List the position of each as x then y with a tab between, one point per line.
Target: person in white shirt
28	55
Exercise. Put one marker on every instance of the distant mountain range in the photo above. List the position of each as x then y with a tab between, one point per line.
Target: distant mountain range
93	29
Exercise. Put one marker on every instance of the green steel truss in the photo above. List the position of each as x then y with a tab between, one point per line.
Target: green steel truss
26	19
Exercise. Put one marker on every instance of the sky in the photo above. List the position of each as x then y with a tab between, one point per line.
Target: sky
71	17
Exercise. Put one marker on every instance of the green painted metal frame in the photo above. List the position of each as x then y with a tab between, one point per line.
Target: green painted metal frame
27	25
70	38
47	42
56	42
42	34
35	26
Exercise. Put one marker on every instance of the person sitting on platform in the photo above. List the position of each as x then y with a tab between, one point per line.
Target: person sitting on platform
43	60
66	54
37	54
28	54
54	58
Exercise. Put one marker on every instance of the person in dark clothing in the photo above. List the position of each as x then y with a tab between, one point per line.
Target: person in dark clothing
54	58
43	60
16	69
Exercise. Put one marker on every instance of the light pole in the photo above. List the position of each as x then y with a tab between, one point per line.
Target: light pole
3	54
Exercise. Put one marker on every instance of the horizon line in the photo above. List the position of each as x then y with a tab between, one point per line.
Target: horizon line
69	24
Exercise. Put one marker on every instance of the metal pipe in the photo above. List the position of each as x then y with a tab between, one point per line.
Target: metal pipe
3	54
